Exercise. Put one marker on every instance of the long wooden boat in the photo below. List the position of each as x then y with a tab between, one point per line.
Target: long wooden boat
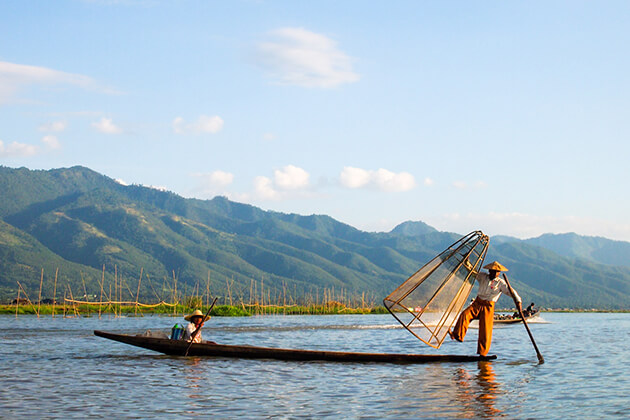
178	348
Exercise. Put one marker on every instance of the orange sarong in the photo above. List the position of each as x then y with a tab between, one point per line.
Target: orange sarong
482	310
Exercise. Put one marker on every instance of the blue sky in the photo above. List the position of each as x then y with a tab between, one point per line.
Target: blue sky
509	117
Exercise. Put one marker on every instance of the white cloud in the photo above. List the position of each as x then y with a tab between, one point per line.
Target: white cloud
221	178
299	57
51	141
157	187
286	182
461	185
354	177
55	126
392	182
105	125
216	178
263	188
381	179
213	183
204	124
291	177
16	149
15	76
428	182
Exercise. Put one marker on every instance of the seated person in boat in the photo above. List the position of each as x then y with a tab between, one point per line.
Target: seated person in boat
529	310
196	321
490	288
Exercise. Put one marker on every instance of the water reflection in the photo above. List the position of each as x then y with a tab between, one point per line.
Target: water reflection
477	392
194	381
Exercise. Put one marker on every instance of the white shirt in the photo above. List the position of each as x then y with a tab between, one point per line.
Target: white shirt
190	329
491	289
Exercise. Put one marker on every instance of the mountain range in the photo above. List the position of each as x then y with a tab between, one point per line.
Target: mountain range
88	230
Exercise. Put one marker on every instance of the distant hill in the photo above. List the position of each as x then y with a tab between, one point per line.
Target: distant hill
81	222
590	248
596	249
411	228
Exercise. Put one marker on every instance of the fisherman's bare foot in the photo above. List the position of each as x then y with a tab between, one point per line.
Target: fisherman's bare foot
450	334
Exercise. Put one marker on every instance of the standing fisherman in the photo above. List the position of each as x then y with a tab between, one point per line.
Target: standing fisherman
490	288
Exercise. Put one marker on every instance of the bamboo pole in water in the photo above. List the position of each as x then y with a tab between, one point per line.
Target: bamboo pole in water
55	292
208	289
85	292
115	290
138	292
28	299
74	307
229	288
251	291
17	303
196	292
110	305
262	292
101	299
39	299
174	294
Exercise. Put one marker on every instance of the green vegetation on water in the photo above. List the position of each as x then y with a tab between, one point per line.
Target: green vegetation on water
181	310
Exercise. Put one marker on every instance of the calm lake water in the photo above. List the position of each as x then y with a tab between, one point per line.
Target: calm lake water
57	368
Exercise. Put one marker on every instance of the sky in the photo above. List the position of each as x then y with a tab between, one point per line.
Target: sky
510	117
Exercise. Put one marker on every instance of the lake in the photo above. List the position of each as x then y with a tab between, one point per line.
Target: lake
57	368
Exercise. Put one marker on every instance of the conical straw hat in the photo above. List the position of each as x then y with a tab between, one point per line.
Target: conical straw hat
496	266
197	313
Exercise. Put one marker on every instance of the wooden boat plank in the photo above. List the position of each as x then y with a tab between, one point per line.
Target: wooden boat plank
178	348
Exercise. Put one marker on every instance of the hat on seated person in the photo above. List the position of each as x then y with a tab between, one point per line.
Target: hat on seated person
197	313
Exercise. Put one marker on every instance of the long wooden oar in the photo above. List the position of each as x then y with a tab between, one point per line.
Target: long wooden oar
541	360
194	334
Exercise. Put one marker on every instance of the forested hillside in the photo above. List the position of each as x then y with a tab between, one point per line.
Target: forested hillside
78	222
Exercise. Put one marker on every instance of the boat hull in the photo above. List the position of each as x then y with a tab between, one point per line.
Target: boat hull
515	320
178	348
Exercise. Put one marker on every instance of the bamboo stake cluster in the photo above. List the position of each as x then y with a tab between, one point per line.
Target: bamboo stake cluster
260	298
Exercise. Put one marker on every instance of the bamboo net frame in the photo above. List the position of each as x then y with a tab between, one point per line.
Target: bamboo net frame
428	302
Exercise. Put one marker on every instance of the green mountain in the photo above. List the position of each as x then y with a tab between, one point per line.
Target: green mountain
97	232
411	228
595	249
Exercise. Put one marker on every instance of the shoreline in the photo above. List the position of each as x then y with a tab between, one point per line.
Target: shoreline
180	310
228	310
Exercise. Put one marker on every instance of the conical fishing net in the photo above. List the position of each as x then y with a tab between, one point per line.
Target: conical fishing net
427	303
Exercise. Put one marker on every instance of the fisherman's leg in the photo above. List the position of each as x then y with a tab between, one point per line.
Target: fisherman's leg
486	320
461	326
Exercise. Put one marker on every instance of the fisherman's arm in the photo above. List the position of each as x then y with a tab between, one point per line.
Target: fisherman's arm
505	289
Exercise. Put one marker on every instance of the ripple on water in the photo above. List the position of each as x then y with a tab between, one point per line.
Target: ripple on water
58	368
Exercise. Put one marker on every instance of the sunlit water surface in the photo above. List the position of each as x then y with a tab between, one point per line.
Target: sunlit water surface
57	368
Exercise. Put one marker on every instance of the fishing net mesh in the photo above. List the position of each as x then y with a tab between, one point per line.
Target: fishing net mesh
427	303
